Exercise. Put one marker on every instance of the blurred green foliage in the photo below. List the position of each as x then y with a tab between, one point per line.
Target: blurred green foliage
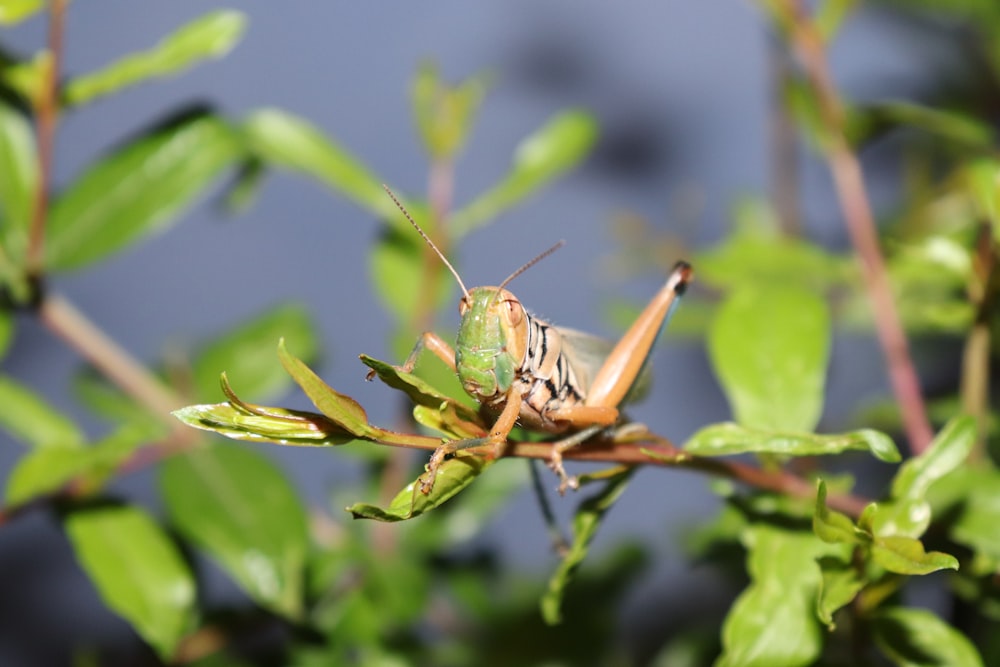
824	586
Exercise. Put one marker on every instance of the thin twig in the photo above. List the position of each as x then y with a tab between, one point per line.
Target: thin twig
856	208
784	147
64	320
47	117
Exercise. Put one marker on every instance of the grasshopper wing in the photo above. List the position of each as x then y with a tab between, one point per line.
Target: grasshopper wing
587	353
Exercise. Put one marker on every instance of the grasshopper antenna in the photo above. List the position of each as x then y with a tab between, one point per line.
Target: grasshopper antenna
530	264
435	248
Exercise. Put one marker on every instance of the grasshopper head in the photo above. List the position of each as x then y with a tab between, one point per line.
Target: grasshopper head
491	344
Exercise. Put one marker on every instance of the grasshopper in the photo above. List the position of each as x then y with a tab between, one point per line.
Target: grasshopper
547	378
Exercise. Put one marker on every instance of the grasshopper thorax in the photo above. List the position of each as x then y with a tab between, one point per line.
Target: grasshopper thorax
492	340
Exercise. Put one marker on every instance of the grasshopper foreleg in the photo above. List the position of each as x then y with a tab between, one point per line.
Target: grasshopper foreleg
497	439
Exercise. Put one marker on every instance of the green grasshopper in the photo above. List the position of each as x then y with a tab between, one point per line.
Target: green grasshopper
547	378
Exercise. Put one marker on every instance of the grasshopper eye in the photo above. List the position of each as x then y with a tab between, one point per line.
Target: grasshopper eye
515	311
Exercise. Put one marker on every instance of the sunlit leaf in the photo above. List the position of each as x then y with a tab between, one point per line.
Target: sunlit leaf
137	190
210	36
558	146
770	349
416	389
238	507
453	476
29	78
727	439
284	140
138	572
13	12
906	555
586	521
28	417
245	353
343	410
278	426
919	638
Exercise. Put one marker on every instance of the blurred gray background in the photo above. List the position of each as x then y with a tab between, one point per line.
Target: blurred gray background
681	91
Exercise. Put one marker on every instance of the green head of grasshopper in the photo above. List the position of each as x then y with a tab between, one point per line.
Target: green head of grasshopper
493	333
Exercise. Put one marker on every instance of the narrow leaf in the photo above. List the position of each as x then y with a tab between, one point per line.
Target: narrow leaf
138	572
18	175
415	388
770	350
905	555
28	417
587	520
919	638
561	144
452	477
137	190
727	439
343	410
841	582
211	36
287	141
237	506
244	353
277	425
444	114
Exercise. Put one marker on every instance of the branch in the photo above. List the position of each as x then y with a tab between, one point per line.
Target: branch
47	116
856	208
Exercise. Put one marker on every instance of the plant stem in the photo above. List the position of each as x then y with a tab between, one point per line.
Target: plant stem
856	208
784	148
47	117
64	320
975	384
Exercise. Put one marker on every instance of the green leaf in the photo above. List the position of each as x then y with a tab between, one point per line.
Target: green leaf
137	190
727	439
417	390
770	349
237	506
841	583
288	141
453	475
400	275
445	114
757	253
982	179
949	450
28	78
13	12
831	15
342	410
978	524
138	572
906	555
6	331
274	425
772	623
18	177
49	469
919	638
908	514
834	527
102	397
211	36
28	417
586	521
555	148
955	128
244	353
